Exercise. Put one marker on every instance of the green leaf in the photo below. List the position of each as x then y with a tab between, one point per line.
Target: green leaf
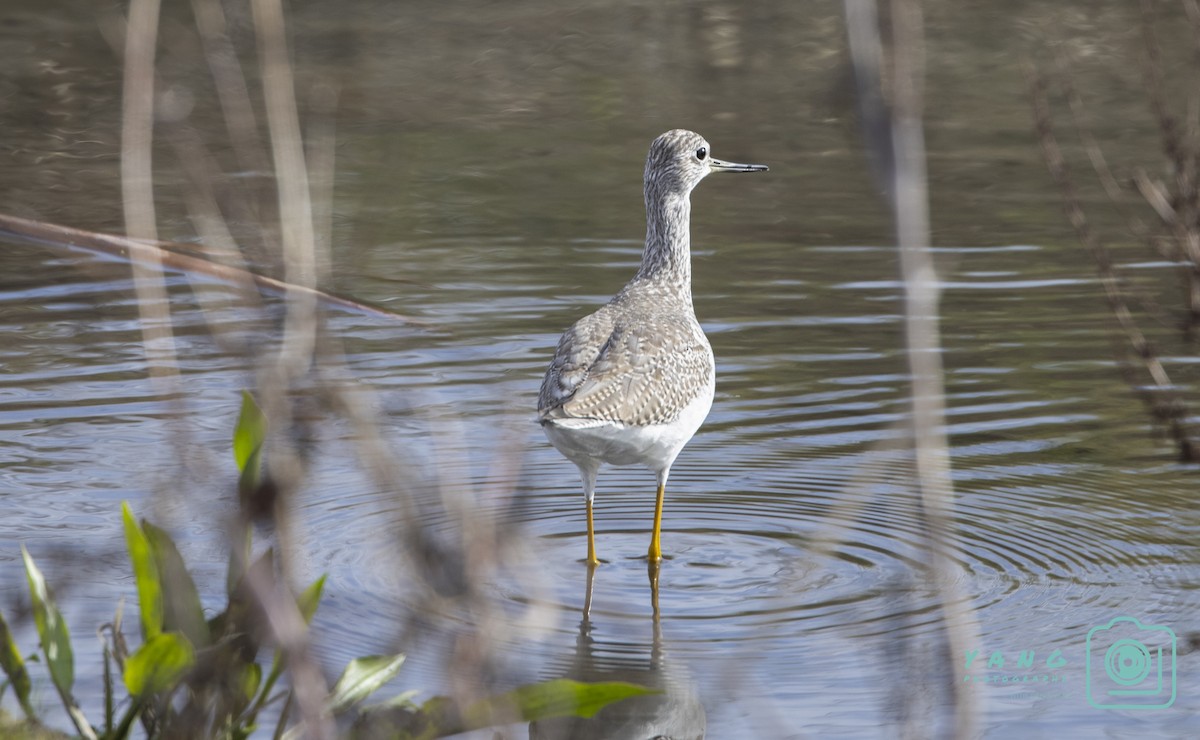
560	697
158	664
440	717
310	599
145	573
361	678
242	731
249	434
182	610
52	630
403	700
56	645
251	679
250	476
14	667
109	691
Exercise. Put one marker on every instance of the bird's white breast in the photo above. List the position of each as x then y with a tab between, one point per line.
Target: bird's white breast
655	446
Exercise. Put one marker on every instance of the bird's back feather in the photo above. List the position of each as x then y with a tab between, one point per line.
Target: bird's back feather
637	367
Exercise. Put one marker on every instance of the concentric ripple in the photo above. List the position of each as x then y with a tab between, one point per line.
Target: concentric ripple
793	531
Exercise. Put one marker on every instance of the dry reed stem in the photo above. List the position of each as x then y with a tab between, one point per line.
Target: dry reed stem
1181	153
309	359
909	200
172	256
241	124
1176	203
215	237
137	188
922	330
295	356
1166	403
232	90
321	154
137	194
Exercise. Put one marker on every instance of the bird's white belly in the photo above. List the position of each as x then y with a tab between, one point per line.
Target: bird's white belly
587	442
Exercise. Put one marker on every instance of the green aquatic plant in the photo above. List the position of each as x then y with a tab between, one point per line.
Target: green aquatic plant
195	675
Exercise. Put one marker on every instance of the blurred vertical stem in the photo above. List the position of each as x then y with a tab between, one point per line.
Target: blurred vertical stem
891	118
137	186
232	92
922	291
137	183
291	177
296	353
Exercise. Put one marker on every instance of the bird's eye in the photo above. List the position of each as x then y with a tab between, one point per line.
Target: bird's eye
702	153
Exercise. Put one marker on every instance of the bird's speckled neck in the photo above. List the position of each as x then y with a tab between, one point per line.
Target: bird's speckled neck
667	259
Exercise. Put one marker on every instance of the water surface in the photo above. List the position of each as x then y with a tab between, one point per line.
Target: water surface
488	184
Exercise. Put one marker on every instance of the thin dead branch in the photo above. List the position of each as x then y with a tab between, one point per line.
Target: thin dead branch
1175	146
1164	400
1181	155
172	256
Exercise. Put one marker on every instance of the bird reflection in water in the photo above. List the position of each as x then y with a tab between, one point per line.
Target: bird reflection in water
675	713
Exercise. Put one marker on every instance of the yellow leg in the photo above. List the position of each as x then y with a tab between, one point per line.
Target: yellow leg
655	545
592	560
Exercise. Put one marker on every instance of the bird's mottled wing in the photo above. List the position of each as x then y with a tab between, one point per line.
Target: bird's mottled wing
644	372
577	350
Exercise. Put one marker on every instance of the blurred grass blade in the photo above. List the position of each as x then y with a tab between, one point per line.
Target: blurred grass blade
239	558
182	610
14	667
249	434
362	677
308	601
109	691
238	607
52	630
560	697
158	664
56	644
145	573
